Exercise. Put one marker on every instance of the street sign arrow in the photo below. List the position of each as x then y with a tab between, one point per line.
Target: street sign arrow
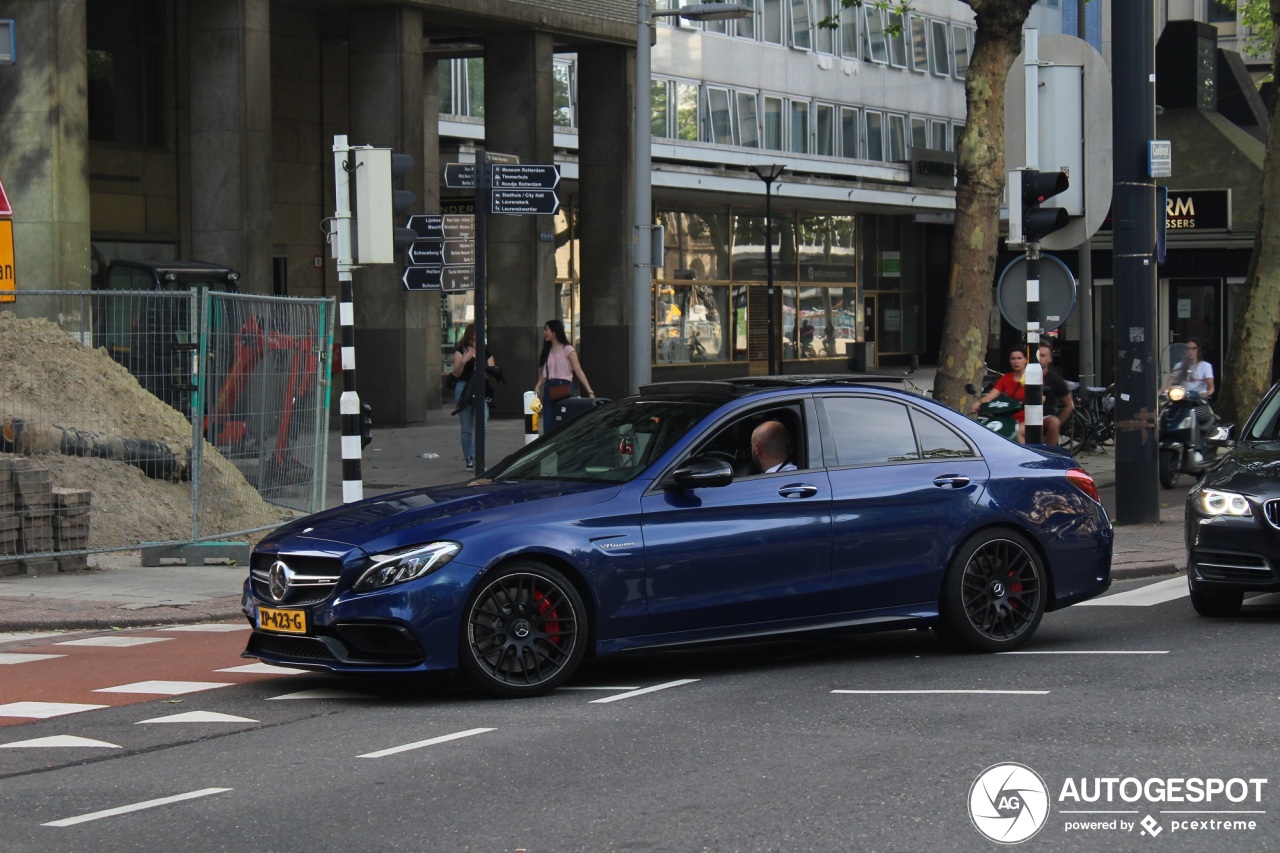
459	278
460	175
426	252
523	201
528	177
422	278
447	226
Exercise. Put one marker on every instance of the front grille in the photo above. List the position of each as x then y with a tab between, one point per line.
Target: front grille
1232	567
379	642
292	648
1272	510
314	578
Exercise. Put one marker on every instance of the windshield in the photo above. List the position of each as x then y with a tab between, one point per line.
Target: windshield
1266	426
611	444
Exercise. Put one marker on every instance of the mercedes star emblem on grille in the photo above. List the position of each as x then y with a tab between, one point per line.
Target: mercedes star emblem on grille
279	577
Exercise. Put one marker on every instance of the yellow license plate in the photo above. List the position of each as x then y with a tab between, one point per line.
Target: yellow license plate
284	621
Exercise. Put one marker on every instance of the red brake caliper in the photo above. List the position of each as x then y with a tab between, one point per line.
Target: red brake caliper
546	610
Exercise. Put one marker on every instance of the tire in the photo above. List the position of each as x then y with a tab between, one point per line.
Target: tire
993	595
524	631
1074	433
1217	604
1168	468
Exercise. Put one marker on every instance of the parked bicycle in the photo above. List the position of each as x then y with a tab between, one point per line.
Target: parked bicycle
1093	425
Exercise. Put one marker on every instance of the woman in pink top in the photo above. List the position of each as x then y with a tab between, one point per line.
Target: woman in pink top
558	365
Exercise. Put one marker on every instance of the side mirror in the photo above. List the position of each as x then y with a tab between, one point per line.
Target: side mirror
1223	435
701	473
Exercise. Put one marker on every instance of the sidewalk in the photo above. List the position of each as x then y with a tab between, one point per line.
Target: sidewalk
119	592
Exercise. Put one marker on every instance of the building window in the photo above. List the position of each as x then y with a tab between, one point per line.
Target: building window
939	49
126	69
897	138
824	130
875	135
849	133
800	127
960	50
801	36
748	120
849	32
824	38
919	132
773	123
686	111
938	136
771	21
874	47
896	35
660	108
566	96
919	43
746	27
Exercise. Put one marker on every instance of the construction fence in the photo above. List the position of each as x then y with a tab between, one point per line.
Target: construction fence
159	421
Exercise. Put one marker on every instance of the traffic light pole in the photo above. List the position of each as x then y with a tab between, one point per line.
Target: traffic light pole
480	405
1033	402
349	402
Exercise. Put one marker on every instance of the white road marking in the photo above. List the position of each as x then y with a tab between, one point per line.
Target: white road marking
59	742
114	642
588	687
1089	652
164	688
1156	593
198	717
18	657
323	693
136	807
643	690
18	636
419	744
43	710
264	669
206	628
949	692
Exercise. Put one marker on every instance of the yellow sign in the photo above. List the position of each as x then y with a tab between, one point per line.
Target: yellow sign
8	276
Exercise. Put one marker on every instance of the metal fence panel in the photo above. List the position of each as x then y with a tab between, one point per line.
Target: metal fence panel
99	448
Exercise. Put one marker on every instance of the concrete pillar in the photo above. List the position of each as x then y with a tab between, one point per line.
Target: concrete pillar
231	172
393	363
44	158
606	170
518	102
431	301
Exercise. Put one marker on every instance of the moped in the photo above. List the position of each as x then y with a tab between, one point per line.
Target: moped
1185	445
998	415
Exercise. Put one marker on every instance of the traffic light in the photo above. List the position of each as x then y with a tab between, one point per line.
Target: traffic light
1028	189
366	424
379	208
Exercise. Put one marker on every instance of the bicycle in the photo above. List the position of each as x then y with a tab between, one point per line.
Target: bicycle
1093	424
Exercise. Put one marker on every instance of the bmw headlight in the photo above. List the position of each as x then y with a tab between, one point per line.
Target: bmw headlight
388	569
1214	502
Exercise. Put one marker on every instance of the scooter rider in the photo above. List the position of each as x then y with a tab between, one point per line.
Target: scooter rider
1195	375
1010	385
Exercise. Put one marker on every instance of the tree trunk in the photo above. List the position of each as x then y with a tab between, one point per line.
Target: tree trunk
1246	375
980	171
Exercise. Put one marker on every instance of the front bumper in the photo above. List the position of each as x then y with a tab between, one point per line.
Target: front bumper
1227	552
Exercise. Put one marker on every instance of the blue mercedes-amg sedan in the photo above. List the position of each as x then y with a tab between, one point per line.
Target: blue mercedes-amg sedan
691	513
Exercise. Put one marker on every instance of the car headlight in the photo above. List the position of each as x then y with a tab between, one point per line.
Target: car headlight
388	569
1215	502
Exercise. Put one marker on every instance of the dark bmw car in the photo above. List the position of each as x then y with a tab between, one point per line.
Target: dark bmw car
1233	516
646	523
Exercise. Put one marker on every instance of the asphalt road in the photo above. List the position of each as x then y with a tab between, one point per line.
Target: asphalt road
862	742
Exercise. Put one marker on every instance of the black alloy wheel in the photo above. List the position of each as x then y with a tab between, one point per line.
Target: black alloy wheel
993	596
524	631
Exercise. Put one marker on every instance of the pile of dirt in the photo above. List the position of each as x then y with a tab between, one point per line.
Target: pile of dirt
48	377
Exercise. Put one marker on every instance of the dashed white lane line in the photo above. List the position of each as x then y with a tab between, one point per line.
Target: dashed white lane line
1156	593
947	692
263	669
630	694
323	693
420	744
136	807
589	687
19	636
164	688
19	657
114	642
197	717
59	742
43	710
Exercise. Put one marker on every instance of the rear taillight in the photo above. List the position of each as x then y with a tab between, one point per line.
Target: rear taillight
1082	481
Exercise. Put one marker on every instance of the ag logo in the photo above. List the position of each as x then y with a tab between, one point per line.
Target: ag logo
1008	803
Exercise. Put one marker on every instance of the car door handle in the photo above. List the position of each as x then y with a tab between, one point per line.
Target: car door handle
951	481
797	490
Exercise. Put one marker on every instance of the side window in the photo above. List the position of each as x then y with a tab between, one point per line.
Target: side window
937	440
732	442
867	431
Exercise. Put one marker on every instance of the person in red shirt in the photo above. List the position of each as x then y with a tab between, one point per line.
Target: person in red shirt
1011	385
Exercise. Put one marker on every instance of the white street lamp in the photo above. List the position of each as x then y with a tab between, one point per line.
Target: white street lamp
642	287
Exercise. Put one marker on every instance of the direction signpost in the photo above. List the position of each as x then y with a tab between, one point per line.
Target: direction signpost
444	255
523	201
